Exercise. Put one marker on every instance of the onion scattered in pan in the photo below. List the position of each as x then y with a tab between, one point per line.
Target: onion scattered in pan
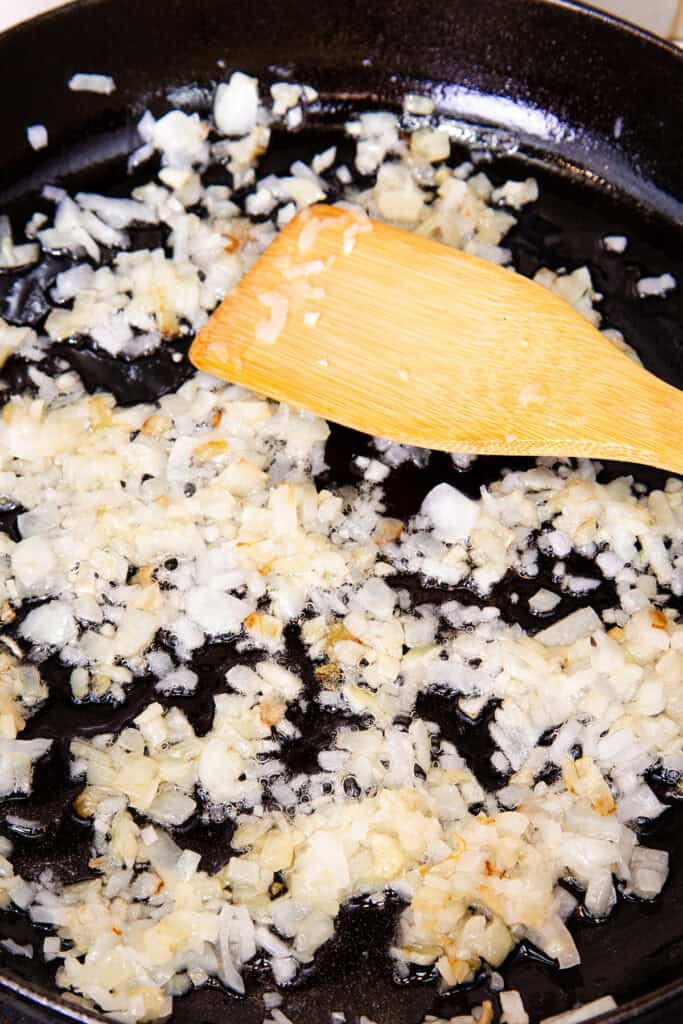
198	518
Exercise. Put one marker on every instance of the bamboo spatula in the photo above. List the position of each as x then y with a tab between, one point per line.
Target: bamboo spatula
408	339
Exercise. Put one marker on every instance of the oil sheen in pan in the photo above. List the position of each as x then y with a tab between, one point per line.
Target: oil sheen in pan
641	945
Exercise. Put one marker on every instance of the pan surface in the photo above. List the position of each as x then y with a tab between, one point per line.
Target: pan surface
596	110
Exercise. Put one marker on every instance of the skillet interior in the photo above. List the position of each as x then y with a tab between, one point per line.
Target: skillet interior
565	77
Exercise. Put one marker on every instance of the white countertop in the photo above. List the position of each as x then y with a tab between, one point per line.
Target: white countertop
13	11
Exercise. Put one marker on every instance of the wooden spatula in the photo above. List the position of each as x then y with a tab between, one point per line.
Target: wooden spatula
405	338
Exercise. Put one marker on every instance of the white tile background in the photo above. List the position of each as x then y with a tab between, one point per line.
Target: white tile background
662	16
657	15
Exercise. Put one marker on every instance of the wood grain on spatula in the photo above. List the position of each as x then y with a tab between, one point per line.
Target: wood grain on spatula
408	339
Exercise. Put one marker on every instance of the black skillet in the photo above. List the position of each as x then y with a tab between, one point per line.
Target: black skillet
597	108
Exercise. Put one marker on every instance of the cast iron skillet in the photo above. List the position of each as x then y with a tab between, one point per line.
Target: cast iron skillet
596	108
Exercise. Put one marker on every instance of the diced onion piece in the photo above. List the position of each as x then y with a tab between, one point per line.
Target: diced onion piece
236	104
268	331
37	136
85	82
